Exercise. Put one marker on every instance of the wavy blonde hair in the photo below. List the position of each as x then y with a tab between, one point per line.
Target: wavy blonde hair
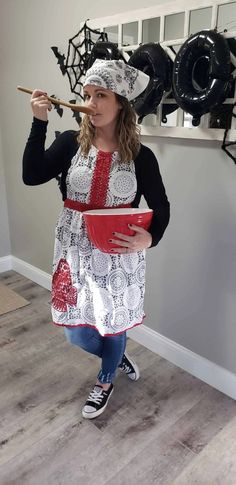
127	131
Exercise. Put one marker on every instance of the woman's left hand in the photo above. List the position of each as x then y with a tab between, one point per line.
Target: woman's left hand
131	244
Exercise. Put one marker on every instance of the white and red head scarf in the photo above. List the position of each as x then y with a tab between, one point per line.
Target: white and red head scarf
117	76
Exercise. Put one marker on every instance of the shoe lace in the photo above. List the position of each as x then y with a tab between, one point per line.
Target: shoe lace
126	368
95	396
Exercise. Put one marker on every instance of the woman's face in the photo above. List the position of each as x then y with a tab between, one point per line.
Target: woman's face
105	104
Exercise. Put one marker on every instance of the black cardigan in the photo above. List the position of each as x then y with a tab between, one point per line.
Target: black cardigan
40	166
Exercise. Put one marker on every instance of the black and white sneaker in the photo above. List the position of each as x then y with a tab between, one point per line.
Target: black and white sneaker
97	401
129	367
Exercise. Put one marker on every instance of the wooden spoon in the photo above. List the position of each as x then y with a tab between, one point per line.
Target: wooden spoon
75	107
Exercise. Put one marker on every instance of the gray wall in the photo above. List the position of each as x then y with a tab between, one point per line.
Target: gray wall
5	247
191	278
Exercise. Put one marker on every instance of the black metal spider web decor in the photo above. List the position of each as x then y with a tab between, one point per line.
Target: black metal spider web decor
76	63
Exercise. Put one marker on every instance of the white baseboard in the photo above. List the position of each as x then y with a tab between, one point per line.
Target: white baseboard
5	263
31	272
200	367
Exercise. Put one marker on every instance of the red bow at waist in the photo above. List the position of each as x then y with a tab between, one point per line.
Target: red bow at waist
81	207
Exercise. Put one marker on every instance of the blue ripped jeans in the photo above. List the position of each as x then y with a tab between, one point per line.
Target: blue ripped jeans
109	349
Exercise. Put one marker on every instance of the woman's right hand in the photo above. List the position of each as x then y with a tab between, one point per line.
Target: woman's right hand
40	105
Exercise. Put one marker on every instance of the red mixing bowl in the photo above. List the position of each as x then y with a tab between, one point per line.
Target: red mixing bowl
101	223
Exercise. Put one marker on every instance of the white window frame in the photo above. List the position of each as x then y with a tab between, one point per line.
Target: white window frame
151	125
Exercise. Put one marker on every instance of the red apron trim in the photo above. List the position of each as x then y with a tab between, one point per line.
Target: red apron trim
92	326
81	207
100	180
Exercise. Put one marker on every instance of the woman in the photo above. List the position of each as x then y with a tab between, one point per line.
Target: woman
98	296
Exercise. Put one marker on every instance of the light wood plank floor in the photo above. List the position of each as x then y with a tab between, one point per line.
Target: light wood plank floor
167	428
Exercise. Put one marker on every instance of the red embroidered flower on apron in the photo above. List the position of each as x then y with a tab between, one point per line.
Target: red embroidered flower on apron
63	293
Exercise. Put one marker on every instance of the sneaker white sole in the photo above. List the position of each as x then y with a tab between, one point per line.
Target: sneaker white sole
97	413
133	377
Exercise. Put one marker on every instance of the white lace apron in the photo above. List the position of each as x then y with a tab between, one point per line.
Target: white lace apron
90	287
